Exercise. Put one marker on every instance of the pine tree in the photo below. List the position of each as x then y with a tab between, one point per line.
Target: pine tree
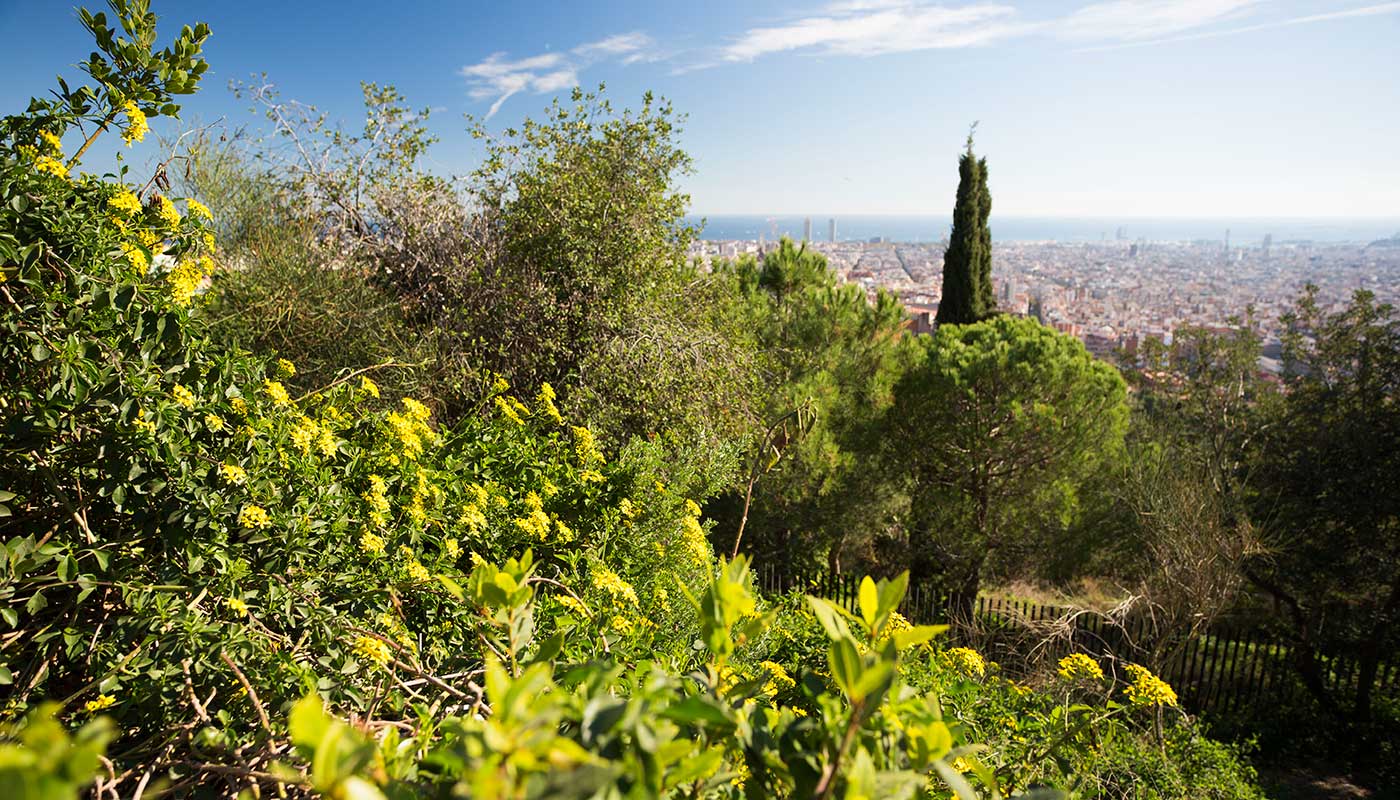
967	265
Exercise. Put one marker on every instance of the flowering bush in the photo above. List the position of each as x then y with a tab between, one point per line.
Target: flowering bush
326	592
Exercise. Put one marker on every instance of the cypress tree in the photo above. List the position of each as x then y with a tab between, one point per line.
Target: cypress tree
967	265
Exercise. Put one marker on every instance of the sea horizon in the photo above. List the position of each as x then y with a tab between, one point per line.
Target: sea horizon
916	228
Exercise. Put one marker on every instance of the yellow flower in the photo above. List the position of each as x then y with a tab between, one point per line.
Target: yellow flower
418	572
236	605
103	701
239	406
233	473
591	476
326	443
167	212
276	392
136	125
586	447
50	165
209	242
565	533
125	203
183	396
372	543
508	411
692	507
452	548
373	650
254	517
134	256
535	524
778	678
415	410
214	422
626	508
197	209
1148	689
185	281
285	368
143	424
51	142
616	588
305	434
368	387
570	603
1079	666
969	662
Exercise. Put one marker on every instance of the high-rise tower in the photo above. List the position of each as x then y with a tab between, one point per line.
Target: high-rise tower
807	229
831	230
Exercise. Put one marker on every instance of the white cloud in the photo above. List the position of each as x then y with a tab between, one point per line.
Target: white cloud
500	78
619	44
1148	19
877	27
1364	11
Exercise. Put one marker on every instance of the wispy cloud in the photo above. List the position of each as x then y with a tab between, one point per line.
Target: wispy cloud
500	78
1363	11
878	27
1147	19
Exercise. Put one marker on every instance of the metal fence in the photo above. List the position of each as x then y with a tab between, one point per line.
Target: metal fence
1232	667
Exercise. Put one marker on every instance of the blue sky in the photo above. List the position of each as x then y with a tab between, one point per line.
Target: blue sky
1196	108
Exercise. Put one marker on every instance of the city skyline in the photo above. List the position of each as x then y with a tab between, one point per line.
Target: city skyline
1133	108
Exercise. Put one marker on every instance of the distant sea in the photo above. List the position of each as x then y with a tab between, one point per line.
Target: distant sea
1243	231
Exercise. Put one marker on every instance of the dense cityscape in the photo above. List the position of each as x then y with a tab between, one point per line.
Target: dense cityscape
1115	294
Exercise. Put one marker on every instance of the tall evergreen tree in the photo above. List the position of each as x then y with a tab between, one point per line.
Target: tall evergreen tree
967	265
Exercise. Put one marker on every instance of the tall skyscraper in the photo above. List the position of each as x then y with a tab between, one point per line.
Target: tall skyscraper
1268	242
807	230
831	230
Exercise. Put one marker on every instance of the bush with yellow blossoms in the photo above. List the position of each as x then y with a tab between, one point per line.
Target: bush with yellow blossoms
222	596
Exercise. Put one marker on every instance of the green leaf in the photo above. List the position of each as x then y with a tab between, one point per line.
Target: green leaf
869	603
845	666
917	635
831	617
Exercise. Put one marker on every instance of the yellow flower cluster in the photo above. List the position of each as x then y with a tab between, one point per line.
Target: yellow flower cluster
591	476
236	605
778	678
51	142
1148	689
50	165
967	661
471	518
254	517
166	210
616	588
372	543
214	422
627	509
276	392
418	572
1078	667
233	473
310	434
285	368
378	499
373	650
693	538
451	548
586	447
183	396
369	387
103	701
143	424
411	428
571	603
197	209
125	203
511	409
546	403
187	276
136	125
536	524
